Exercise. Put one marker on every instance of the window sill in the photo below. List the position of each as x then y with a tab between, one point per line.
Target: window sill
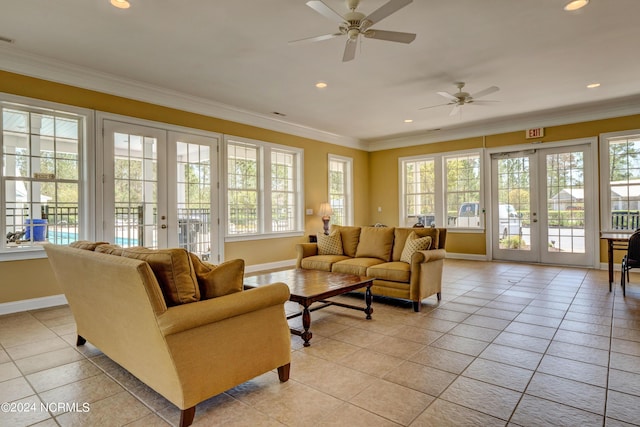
263	236
466	230
22	253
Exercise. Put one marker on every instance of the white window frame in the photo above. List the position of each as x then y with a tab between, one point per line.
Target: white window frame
605	184
481	217
347	193
440	194
86	172
264	230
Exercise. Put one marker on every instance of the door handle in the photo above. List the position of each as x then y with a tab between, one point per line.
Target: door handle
534	220
163	226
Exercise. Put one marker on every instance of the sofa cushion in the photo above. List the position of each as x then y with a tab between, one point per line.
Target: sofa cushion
350	237
109	249
414	244
173	269
218	280
375	242
321	262
394	271
357	266
331	244
401	234
86	245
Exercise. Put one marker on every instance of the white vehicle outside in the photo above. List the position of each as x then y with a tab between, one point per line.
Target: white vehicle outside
509	220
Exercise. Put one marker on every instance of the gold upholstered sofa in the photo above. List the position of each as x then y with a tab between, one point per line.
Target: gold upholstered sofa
406	263
183	327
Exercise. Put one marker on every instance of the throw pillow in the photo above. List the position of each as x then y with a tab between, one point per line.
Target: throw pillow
330	245
109	249
375	242
86	245
414	244
173	270
218	280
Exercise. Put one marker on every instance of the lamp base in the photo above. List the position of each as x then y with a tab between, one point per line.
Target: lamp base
325	220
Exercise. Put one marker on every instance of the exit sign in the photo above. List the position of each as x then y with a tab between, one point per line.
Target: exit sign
534	133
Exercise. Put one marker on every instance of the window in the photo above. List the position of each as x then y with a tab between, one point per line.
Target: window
442	190
341	189
620	181
42	152
264	188
418	192
462	175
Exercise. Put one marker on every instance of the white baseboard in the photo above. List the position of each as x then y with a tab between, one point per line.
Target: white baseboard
32	304
289	263
470	257
605	266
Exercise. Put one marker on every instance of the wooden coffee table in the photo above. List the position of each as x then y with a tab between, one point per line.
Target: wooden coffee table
310	286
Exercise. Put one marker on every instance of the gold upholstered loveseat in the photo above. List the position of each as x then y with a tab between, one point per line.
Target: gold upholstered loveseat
384	253
189	349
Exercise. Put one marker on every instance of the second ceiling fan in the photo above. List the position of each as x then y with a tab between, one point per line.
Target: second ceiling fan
460	98
353	24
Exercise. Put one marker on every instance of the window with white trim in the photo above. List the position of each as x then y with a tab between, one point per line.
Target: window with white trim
341	189
435	189
462	191
620	181
41	193
264	188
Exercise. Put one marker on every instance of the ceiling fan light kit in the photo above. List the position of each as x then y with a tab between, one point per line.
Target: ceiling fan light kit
353	24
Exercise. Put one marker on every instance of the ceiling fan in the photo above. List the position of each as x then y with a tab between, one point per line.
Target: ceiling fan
462	98
354	24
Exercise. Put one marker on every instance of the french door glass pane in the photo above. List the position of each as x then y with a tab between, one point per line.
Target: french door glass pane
513	203
194	198
135	179
565	202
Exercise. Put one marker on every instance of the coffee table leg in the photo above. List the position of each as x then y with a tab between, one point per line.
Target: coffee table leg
306	324
367	300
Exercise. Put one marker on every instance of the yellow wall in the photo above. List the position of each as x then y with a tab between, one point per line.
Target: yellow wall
378	188
39	282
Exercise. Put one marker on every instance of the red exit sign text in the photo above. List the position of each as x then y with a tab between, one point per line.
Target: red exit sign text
534	133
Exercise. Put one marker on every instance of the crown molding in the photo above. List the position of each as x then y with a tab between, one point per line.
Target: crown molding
554	117
19	62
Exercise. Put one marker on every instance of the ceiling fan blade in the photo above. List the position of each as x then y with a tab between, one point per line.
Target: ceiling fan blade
485	92
383	11
315	39
434	106
456	109
483	101
325	11
350	50
392	36
448	96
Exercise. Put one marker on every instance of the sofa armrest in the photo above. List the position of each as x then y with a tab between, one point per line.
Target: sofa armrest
188	316
429	256
304	250
426	273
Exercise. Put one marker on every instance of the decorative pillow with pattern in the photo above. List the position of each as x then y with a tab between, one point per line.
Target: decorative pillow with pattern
331	244
414	244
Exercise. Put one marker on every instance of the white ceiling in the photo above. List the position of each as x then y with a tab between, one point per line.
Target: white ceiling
236	53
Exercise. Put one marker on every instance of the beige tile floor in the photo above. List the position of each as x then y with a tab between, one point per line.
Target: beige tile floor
510	344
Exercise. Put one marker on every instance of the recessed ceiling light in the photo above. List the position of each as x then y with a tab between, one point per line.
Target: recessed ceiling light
321	85
121	4
408	120
575	5
593	85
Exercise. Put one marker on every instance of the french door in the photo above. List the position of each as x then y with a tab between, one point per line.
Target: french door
160	188
542	206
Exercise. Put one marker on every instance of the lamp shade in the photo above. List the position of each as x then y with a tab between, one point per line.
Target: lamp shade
325	210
